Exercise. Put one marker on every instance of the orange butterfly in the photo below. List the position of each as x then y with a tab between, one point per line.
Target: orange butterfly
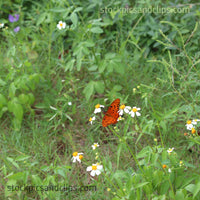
112	113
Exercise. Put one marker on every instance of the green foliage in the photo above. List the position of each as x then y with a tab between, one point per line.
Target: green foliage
142	52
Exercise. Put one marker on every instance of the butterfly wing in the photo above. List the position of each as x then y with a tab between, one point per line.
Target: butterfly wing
112	113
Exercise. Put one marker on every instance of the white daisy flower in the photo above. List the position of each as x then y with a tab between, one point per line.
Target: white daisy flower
170	150
194	121
189	125
134	112
77	157
70	103
95	169
95	145
1	25
61	25
92	119
120	118
98	108
123	109
169	170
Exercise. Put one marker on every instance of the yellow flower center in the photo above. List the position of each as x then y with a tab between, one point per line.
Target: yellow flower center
170	150
75	154
80	157
95	145
61	24
164	166
189	122
122	107
90	119
181	162
94	167
108	189
134	109
193	130
97	106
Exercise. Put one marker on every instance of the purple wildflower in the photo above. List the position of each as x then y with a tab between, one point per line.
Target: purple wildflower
17	29
14	18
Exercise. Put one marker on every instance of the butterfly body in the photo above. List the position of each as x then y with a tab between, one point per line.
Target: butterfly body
112	114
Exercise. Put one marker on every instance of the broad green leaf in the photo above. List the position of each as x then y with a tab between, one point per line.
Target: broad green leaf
99	87
74	19
16	109
3	101
41	18
13	162
196	189
96	30
12	90
23	157
2	83
179	195
31	98
23	98
69	66
89	89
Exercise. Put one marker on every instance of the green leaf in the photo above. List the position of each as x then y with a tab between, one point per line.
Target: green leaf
12	90
96	30
89	89
179	195
2	83
31	98
8	188
3	101
70	65
16	109
99	87
41	18
23	98
196	189
191	188
74	19
13	162
21	158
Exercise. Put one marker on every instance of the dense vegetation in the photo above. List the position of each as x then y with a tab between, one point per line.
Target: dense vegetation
61	60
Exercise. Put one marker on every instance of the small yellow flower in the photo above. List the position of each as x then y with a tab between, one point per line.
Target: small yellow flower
108	189
155	140
164	166
181	163
124	189
80	157
193	131
134	89
138	86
